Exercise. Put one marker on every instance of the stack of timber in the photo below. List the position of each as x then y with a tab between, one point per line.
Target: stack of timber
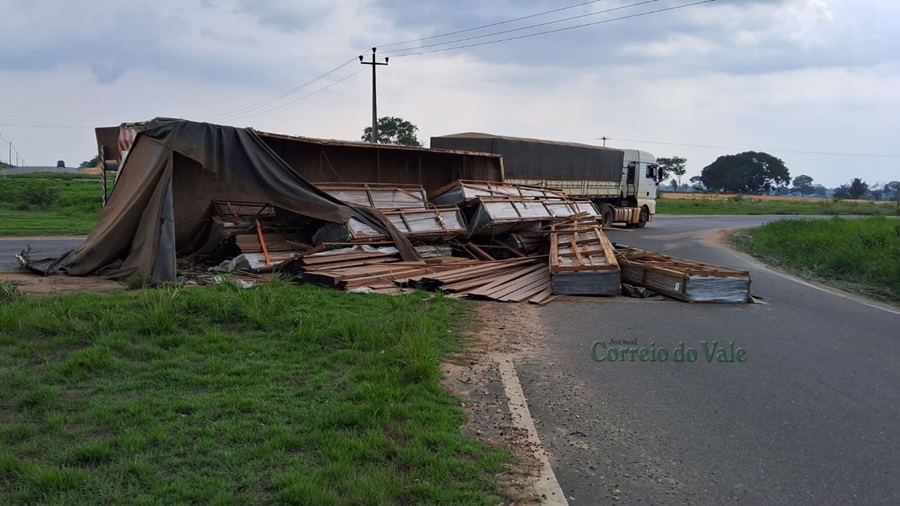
424	224
374	272
683	279
493	209
462	191
491	216
513	280
379	196
582	260
406	206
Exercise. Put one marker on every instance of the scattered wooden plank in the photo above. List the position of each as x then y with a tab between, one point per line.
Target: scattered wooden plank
545	296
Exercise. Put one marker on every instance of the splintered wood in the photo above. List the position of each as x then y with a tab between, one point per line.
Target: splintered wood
683	279
582	260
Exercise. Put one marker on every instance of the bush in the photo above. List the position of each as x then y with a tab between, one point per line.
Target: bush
43	198
9	292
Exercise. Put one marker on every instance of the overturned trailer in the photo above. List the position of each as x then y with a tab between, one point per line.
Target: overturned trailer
171	174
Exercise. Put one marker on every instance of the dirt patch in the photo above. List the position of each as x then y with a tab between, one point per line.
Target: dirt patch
60	283
503	332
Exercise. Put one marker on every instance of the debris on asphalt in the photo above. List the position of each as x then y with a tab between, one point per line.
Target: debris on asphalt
683	279
582	260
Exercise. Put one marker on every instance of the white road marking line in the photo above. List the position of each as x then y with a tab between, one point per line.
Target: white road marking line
547	485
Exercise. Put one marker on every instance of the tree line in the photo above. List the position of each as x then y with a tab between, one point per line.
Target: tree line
760	173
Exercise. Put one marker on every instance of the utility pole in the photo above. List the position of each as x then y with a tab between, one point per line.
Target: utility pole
374	64
604	139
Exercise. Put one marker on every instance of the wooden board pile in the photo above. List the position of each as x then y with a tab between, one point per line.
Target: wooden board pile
562	251
462	191
582	260
683	279
492	209
514	280
379	196
406	206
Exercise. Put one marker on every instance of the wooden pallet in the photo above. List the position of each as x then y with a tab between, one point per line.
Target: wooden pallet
683	279
582	260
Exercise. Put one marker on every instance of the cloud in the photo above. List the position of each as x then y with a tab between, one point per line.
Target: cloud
777	75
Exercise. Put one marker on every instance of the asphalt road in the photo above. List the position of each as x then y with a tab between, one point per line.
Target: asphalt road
811	416
40	248
12	171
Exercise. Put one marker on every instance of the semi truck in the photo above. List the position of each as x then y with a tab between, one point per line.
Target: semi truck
621	183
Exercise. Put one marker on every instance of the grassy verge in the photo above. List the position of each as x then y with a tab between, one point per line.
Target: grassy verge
279	393
49	204
748	205
859	255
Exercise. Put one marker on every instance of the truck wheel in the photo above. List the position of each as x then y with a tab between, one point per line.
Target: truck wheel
606	216
644	218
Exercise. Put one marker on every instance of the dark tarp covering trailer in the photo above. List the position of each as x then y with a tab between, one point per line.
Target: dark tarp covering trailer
535	159
333	161
172	173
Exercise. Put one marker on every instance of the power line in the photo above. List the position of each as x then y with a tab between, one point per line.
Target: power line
10	150
291	91
490	25
795	152
299	98
240	114
560	29
546	23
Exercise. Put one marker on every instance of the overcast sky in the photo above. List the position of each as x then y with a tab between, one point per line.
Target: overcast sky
814	82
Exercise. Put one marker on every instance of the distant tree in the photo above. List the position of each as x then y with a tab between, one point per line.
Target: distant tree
697	184
820	190
748	172
876	192
674	166
674	184
393	130
803	185
855	189
892	192
93	162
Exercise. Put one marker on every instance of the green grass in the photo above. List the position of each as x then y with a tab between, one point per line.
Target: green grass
49	204
749	206
276	394
858	255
